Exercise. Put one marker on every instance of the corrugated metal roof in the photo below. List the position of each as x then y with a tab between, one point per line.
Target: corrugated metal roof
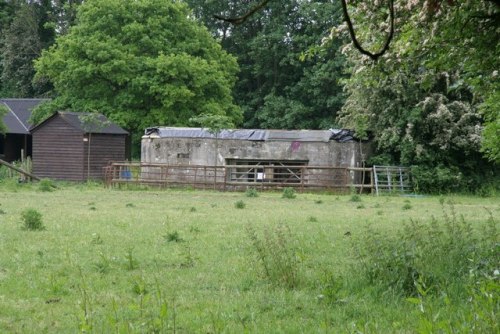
341	135
16	120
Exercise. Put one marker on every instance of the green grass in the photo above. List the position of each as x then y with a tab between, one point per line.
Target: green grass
112	268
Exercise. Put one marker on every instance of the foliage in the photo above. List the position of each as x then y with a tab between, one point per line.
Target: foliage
139	63
275	254
214	123
355	198
240	204
279	85
434	256
289	193
214	280
27	28
173	237
46	185
3	112
251	192
423	100
490	110
32	220
331	287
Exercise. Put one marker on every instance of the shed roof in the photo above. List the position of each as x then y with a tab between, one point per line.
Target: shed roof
340	135
101	125
19	113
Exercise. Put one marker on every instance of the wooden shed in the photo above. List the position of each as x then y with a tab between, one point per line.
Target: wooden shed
76	146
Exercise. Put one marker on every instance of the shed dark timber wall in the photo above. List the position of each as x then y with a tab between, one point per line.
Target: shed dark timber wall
58	151
103	149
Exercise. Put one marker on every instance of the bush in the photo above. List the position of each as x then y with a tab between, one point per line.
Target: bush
239	205
437	180
289	193
251	192
407	206
434	255
173	237
32	220
46	185
355	198
276	256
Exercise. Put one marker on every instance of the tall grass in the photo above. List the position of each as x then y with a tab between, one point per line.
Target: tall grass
276	256
436	254
161	267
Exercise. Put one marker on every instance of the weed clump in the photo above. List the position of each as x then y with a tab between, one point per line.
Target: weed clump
173	237
276	255
434	255
355	198
289	193
331	287
312	219
407	206
131	262
251	192
32	220
46	185
239	205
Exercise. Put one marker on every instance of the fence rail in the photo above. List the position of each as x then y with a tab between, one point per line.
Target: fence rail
238	177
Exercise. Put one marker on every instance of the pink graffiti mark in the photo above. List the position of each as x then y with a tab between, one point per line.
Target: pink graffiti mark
295	146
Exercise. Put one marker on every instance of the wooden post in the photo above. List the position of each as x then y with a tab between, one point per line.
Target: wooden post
19	170
371	180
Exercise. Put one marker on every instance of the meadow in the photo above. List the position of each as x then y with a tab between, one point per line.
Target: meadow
186	261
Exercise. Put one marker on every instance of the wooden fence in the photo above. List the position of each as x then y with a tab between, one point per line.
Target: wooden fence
240	177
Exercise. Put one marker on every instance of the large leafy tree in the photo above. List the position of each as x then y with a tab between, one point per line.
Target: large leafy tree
141	63
426	99
278	87
452	36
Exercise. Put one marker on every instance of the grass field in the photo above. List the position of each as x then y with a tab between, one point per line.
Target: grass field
181	261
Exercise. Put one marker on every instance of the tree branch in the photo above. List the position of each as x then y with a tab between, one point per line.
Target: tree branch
239	20
357	45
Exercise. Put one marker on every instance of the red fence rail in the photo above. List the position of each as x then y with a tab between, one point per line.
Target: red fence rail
237	177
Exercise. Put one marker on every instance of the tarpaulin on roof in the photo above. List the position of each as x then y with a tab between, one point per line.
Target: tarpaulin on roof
341	135
299	135
204	133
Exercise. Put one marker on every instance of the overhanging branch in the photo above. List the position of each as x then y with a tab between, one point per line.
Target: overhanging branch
355	41
241	19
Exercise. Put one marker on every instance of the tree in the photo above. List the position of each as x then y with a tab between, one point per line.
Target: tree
426	99
215	124
24	38
455	35
26	28
278	87
3	127
141	63
92	122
